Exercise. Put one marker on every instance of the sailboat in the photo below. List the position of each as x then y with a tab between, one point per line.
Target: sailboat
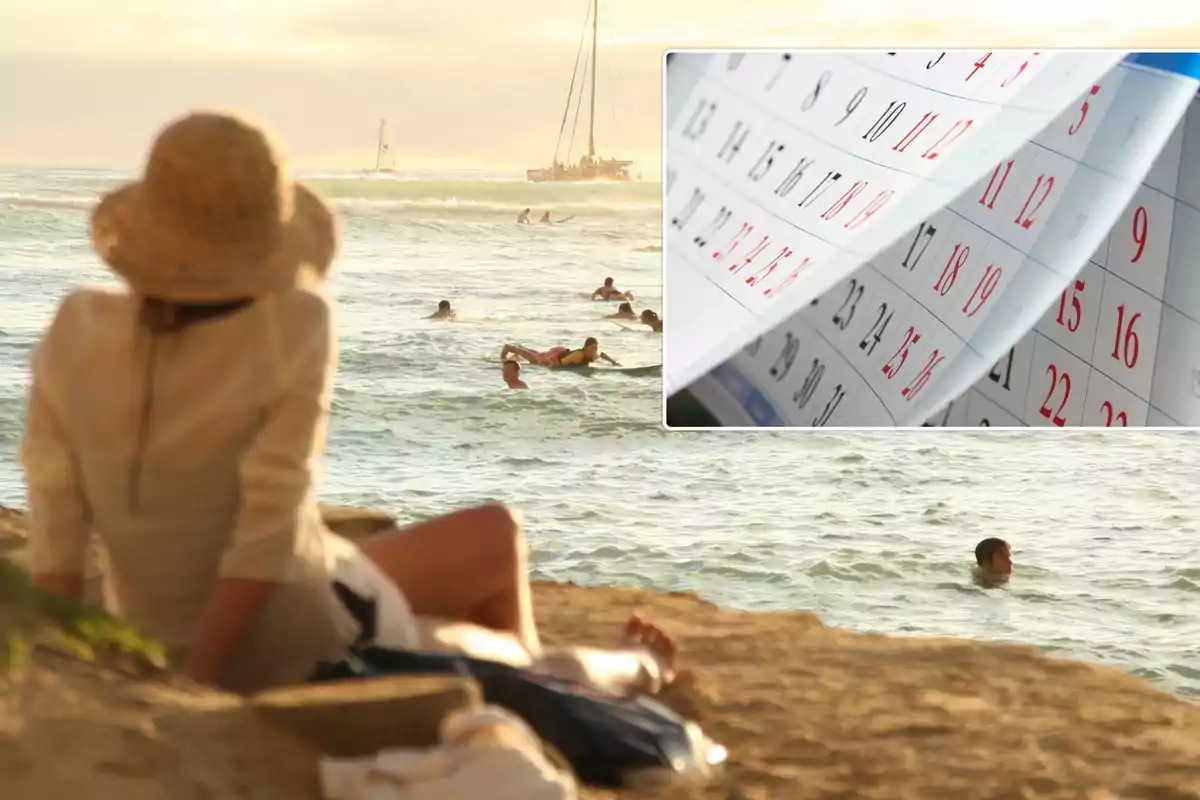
589	167
384	160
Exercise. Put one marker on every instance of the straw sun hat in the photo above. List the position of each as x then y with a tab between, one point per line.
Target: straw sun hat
215	217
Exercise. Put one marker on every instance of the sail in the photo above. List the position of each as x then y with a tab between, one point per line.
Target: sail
384	160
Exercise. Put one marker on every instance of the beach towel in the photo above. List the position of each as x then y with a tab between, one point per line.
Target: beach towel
485	753
608	740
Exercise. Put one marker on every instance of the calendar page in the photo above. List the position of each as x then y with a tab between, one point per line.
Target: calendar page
1120	346
905	303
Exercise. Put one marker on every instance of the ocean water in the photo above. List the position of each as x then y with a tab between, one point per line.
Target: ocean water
872	531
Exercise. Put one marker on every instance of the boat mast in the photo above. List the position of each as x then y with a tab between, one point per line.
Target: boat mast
592	111
379	144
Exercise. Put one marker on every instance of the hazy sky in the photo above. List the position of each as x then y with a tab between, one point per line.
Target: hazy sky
464	82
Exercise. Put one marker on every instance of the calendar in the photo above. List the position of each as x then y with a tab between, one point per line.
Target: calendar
938	238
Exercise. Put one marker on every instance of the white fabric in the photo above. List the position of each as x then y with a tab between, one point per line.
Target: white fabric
395	624
485	752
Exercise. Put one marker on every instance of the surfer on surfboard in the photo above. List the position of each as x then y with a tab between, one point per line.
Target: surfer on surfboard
610	292
523	219
561	356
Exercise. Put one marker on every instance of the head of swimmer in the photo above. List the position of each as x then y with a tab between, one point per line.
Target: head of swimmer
444	306
591	348
648	316
625	308
994	556
608	282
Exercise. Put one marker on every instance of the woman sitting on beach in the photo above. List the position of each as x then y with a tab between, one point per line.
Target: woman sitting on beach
183	422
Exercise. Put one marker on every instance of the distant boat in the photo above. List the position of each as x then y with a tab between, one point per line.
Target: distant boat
384	160
589	167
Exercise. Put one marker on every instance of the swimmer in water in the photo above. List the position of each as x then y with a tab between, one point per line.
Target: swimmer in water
610	292
545	218
560	356
652	319
523	219
993	562
444	311
512	374
624	311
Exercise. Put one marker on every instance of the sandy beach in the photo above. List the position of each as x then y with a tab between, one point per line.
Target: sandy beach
807	711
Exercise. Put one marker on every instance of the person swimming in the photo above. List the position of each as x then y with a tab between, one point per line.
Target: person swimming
993	562
560	356
652	319
624	311
444	311
523	219
512	374
545	218
610	292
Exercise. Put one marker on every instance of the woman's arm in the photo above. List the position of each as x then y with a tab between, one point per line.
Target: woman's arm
59	517
277	480
609	359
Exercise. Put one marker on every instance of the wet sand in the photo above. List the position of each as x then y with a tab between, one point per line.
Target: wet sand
807	711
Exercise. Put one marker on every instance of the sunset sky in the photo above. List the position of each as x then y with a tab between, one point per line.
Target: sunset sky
466	83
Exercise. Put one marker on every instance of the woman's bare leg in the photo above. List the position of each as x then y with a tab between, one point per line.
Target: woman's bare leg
644	662
467	566
532	356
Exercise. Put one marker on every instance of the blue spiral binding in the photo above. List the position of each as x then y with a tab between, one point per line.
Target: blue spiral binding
1186	64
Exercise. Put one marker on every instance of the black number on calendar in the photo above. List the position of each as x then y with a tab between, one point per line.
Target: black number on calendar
784	62
845	311
927	231
815	193
765	161
787	357
811	381
1003	377
985	423
853	105
885	121
689	209
822	82
794	177
722	216
698	123
753	348
734	61
934	62
875	334
733	142
830	407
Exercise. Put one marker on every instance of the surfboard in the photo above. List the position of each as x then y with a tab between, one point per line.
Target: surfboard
649	370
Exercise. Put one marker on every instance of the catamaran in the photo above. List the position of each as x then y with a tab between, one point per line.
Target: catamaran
589	167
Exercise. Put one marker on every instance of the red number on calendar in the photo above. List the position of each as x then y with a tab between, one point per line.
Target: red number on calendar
1141	226
983	290
1119	417
840	204
755	252
916	130
789	280
1020	71
1044	184
1083	111
870	209
948	138
1127	344
1056	378
995	184
958	257
978	65
734	242
923	377
1071	323
911	337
